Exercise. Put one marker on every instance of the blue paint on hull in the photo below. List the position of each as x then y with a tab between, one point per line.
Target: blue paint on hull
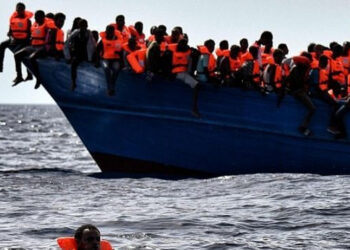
239	131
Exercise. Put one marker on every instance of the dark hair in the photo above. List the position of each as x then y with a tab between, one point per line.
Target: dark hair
39	13
278	53
223	44
79	232
307	55
83	22
182	46
119	17
179	28
20	5
332	44
337	49
311	47
323	59
266	35
153	29
50	15
253	50
76	23
243	40
282	46
209	42
59	15
163	28
234	50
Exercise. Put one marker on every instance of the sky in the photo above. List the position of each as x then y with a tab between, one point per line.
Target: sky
294	22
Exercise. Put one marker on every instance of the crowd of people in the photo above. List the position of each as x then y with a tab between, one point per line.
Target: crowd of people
319	72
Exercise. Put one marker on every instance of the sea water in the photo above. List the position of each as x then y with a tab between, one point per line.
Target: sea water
47	190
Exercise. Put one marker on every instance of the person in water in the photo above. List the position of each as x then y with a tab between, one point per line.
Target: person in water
86	237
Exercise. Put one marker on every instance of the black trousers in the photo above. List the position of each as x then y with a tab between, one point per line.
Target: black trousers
33	53
14	45
302	97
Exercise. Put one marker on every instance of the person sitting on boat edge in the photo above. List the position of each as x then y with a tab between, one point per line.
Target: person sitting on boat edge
153	54
79	47
19	34
110	49
297	84
37	48
181	61
86	237
55	40
251	70
206	63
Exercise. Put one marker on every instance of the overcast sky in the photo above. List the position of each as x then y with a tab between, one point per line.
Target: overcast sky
295	22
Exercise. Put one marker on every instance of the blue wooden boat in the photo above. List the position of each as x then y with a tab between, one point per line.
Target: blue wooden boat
147	127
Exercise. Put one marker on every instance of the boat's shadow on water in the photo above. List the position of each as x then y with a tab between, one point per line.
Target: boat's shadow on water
100	175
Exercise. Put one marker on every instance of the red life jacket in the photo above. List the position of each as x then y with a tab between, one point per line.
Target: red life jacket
256	72
111	49
278	76
59	40
19	26
235	64
125	33
212	62
140	38
246	56
38	33
137	60
180	61
314	63
337	70
219	52
69	243
323	79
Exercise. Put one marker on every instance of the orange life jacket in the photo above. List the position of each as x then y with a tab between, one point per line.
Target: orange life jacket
346	64
69	243
137	60
172	47
212	62
151	38
38	33
111	49
278	76
140	38
337	70
256	72
246	56
117	34
125	33
328	53
235	64
19	26
314	63
59	40
180	61
323	79
219	52
163	46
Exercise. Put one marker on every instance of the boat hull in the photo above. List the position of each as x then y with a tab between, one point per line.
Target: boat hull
147	127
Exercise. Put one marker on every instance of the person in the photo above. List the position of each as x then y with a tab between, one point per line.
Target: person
337	72
55	40
50	15
110	49
266	39
151	37
128	48
86	237
244	53
181	61
275	73
79	47
297	83
319	83
37	48
137	32
230	67
75	26
251	70
153	54
19	34
223	45
206	63
120	27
